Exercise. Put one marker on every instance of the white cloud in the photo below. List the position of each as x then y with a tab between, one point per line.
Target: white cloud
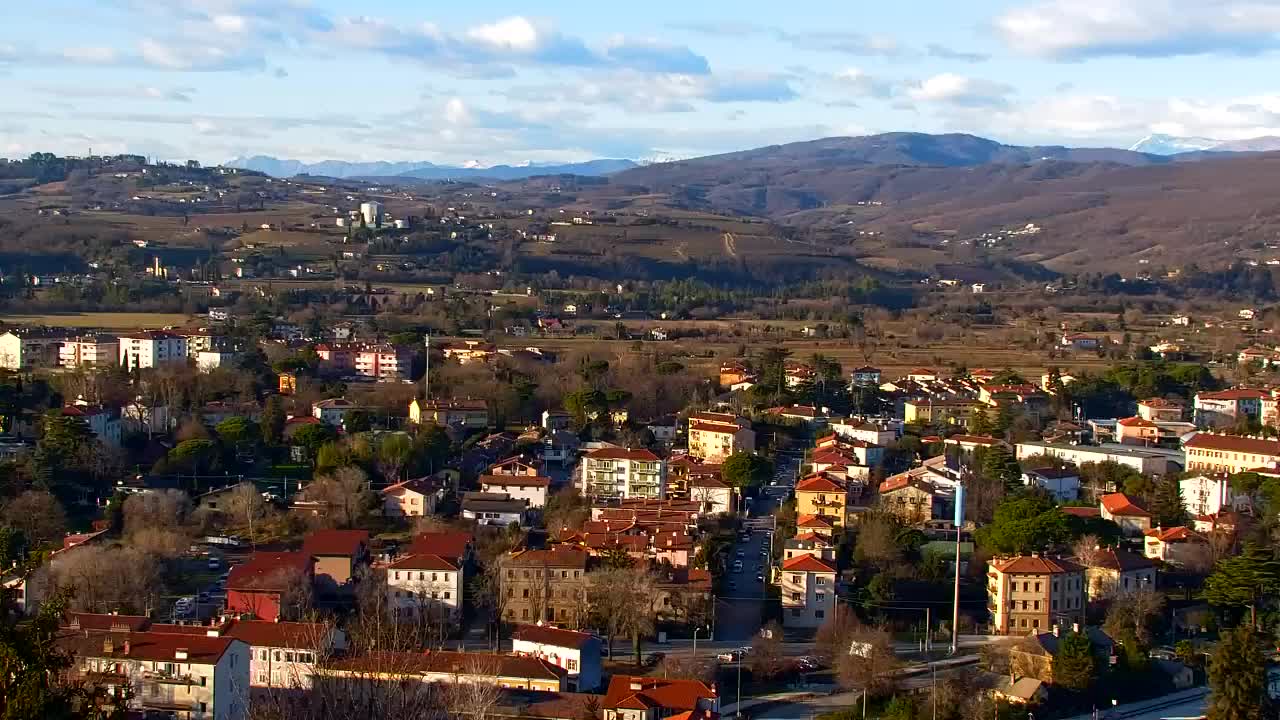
960	90
229	23
861	83
662	93
514	33
1080	29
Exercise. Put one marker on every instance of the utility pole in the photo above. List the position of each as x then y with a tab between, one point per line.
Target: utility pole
955	603
928	627
426	377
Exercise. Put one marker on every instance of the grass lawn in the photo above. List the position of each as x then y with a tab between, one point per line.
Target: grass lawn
105	320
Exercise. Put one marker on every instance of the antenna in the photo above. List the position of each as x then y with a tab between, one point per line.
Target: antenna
426	377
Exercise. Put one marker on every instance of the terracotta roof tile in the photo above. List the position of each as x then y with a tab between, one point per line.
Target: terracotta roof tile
807	563
546	635
1123	505
626	691
423	562
1233	443
329	543
1032	565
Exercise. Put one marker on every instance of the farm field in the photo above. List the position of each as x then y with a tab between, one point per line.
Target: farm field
102	320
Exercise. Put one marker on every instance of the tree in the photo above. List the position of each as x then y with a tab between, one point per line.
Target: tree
356	421
312	437
621	601
1135	613
867	661
1243	581
979	423
767	659
746	470
198	456
1074	665
345	494
1167	504
1238	678
877	542
38	516
245	505
235	431
1024	524
392	455
999	464
273	420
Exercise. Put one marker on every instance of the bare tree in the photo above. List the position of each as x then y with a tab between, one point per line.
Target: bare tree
868	662
767	659
693	668
474	692
156	509
245	506
345	493
107	579
1087	550
1135	611
39	516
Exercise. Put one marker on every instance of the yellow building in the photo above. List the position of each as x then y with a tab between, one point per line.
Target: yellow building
940	412
715	436
823	496
1030	594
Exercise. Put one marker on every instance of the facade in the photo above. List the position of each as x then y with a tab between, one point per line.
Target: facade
89	351
1160	410
1027	594
715	436
712	494
876	433
444	666
823	496
548	585
104	423
578	653
411	498
1062	483
1123	511
152	349
425	586
1110	573
333	411
462	414
386	362
1210	494
530	488
25	349
1177	546
1214	453
283	655
1148	461
940	412
622	473
210	360
337	555
263	586
371	213
1137	431
808	587
1226	407
810	543
866	377
649	698
912	500
494	509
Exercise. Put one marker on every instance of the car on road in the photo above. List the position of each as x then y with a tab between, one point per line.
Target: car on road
808	663
183	606
731	656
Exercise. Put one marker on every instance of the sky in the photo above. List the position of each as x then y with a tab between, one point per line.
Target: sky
560	81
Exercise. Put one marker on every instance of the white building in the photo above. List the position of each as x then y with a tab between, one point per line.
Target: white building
387	363
530	488
104	423
1148	461
371	211
210	360
622	473
1226	407
578	653
424	586
89	351
283	655
24	349
411	498
152	349
712	493
1209	495
1062	483
876	433
808	591
333	411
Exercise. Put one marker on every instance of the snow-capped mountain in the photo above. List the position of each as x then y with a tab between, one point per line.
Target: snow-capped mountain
1158	144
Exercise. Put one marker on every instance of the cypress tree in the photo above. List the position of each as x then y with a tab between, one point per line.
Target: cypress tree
1238	679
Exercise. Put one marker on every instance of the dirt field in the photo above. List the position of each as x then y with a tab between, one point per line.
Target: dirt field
103	320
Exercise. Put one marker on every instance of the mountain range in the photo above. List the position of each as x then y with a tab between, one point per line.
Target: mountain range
1158	144
424	170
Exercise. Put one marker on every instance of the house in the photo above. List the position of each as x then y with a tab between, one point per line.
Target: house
1061	482
446	666
336	357
425	587
1213	453
664	428
269	583
547	585
715	436
875	432
183	675
1123	511
810	543
808	587
866	377
460	414
283	655
89	351
1148	461
411	498
650	698
1028	593
27	348
806	414
209	360
712	493
337	555
1180	676
1178	546
1210	494
1137	431
1227	407
105	424
333	412
531	489
1078	341
152	349
471	351
734	373
384	362
922	375
1022	691
1111	573
911	499
494	509
622	473
578	653
1037	654
823	496
556	420
940	412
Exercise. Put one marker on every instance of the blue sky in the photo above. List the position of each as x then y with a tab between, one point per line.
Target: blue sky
504	81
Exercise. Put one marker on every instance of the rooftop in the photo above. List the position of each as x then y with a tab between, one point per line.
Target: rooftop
1121	504
329	543
1034	565
642	693
546	635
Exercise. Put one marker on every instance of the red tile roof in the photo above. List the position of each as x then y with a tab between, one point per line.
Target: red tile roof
622	454
1123	505
516	480
1233	443
1136	422
148	646
626	691
1032	565
1175	534
819	483
268	571
1112	559
331	543
423	562
807	563
1084	512
546	635
265	633
447	661
1160	403
1234	394
449	544
556	557
814	521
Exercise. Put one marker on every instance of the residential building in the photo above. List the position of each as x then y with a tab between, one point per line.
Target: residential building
425	587
494	509
1213	453
1137	431
623	473
1028	593
1179	546
411	498
734	373
201	340
808	586
715	436
269	584
1061	482
810	543
1123	511
455	546
337	357
371	213
1148	461
807	414
1227	407
823	496
337	555
23	349
1160	410
517	466
88	351
1110	573
152	349
1038	654
650	698
547	585
913	500
333	412
446	666
940	412
461	414
712	493
209	360
283	655
184	676
1210	494
866	377
869	431
105	423
384	362
556	420
578	653
531	489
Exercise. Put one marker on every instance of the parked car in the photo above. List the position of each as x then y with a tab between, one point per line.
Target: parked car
215	563
731	656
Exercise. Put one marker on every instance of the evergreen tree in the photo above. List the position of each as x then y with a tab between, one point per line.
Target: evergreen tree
1238	679
273	420
1074	665
1243	581
1167	504
979	423
999	464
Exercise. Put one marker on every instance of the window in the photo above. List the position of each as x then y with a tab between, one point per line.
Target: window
1026	587
797	579
820	597
1022	622
526	592
276	655
795	612
422	576
1037	587
795	597
446	594
820	580
397	574
571	665
1035	624
1037	605
525	613
434	577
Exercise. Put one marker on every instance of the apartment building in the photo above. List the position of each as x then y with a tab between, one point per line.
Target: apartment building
1226	407
940	412
623	473
184	676
1210	494
25	349
1029	593
1122	510
530	488
1213	453
464	414
425	586
1160	410
824	496
152	349
1110	573
808	586
385	362
89	351
548	585
578	653
336	357
283	655
715	436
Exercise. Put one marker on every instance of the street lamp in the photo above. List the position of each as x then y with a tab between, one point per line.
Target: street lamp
695	643
738	708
